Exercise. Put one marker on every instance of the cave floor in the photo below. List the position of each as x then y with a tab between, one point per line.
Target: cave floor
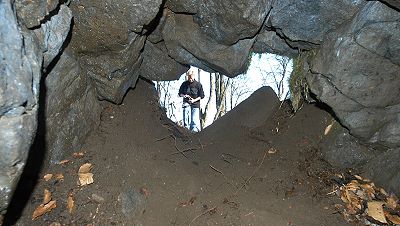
147	171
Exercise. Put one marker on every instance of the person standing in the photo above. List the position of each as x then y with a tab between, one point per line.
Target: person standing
191	91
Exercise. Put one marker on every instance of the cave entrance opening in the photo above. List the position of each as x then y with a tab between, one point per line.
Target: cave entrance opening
223	93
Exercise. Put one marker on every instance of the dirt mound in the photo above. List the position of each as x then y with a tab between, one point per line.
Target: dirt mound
258	165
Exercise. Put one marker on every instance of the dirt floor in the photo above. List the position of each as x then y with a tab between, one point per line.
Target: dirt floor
147	171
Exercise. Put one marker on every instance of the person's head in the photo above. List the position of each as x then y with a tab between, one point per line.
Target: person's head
190	75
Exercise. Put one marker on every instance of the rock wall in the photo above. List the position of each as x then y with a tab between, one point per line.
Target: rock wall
85	51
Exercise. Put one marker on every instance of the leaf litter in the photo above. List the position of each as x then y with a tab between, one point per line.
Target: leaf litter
363	201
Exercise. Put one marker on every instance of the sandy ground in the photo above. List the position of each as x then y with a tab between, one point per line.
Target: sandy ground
255	167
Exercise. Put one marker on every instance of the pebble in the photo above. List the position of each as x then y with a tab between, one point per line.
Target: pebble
97	198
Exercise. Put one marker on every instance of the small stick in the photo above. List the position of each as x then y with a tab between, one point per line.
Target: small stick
162	138
219	171
205	212
184	150
252	175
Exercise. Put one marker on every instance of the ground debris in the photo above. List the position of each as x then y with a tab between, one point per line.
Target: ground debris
363	201
45	207
85	177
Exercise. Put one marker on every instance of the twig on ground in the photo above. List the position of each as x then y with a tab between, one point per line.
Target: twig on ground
163	138
219	171
179	150
201	145
203	213
184	150
252	175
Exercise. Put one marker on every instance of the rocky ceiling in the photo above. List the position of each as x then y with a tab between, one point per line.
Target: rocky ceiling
58	58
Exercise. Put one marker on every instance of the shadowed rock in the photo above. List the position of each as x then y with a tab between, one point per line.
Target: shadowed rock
356	73
187	44
155	55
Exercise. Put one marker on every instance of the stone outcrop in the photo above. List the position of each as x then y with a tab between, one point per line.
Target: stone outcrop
21	54
72	109
356	72
97	49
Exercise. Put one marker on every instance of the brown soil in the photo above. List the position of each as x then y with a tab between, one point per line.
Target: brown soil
147	171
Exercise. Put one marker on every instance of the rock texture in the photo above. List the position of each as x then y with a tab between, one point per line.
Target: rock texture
72	109
356	72
188	44
155	55
354	66
22	57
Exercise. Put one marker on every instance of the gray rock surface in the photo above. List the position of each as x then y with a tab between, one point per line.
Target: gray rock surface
270	42
356	73
343	150
309	20
33	13
155	55
384	170
183	6
114	73
53	34
109	26
393	3
132	203
227	22
72	109
20	62
188	44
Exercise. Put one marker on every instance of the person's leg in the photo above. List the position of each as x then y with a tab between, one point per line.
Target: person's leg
186	116
195	120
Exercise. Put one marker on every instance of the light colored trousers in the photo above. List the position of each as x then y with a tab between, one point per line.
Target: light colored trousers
191	119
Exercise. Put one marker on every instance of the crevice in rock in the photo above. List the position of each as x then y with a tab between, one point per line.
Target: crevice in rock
51	14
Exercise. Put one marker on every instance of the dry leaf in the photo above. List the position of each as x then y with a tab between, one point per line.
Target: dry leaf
272	151
47	177
47	197
144	191
85	178
70	203
393	218
328	129
383	192
42	209
63	162
392	201
78	154
59	176
85	168
375	210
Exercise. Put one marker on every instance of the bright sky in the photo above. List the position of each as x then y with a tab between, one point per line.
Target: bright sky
258	75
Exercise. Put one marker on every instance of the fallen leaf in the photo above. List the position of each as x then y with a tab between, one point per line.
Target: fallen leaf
144	191
85	168
59	176
392	201
78	154
70	203
63	162
358	177
47	197
85	178
383	192
328	129
272	151
47	177
42	209
393	218
375	210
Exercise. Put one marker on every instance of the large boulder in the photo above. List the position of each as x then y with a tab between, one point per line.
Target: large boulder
33	13
227	22
72	109
356	72
188	44
270	42
22	52
155	55
305	22
109	38
114	73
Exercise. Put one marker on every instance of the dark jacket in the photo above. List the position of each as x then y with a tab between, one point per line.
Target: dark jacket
194	90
